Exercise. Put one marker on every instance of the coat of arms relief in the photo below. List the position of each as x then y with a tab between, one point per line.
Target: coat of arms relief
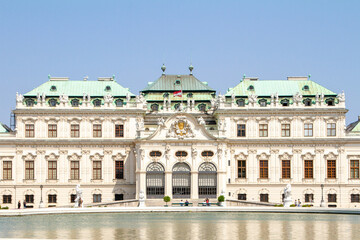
180	128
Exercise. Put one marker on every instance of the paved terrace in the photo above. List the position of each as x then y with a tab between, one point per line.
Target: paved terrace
87	210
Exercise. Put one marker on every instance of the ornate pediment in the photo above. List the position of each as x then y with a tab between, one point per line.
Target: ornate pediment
119	156
96	157
241	156
180	129
330	156
29	157
52	157
285	156
308	156
74	157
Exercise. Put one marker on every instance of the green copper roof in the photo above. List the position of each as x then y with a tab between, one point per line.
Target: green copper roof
282	87
197	96
78	88
354	127
4	128
186	83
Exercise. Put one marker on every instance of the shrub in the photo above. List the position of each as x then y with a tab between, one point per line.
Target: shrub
167	199
292	205
278	205
221	198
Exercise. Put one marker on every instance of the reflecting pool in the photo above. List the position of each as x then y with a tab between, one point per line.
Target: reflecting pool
182	226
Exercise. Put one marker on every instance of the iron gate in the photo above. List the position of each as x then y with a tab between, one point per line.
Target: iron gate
207	180
181	181
155	181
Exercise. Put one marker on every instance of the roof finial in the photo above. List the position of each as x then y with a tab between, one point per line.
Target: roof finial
49	76
191	68
113	77
163	68
244	76
309	76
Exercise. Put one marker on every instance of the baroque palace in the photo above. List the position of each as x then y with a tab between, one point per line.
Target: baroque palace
178	138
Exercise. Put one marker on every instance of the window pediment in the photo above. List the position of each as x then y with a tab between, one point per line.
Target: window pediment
119	156
330	156
308	156
96	157
285	156
74	157
263	156
241	156
52	157
29	157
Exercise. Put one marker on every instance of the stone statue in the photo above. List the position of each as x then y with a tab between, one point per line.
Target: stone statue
201	121
128	98
139	124
252	98
141	199
38	98
43	97
194	152
64	98
19	98
78	199
297	98
287	196
213	103
272	98
341	97
88	97
84	97
233	97
161	122
108	98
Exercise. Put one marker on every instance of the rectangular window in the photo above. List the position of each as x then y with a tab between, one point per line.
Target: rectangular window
29	170
52	198
119	130
354	168
29	130
264	169
119	169
74	170
242	196
29	198
241	130
241	169
52	170
72	198
355	197
286	173
285	130
96	170
309	197
308	129
308	169
331	129
331	168
75	130
97	130
331	197
263	130
264	197
96	198
52	130
7	170
6	199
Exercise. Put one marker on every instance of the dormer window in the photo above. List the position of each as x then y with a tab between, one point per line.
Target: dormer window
202	107
306	88
119	103
52	102
108	88
53	88
307	102
177	82
240	102
330	102
251	88
154	107
190	95
75	103
176	106
97	103
263	102
285	102
166	95
29	102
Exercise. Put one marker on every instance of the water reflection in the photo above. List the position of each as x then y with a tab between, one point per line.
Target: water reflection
182	226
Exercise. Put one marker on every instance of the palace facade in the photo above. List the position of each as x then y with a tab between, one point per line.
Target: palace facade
178	138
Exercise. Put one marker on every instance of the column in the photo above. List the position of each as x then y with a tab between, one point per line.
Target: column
297	167
62	166
319	166
253	166
194	185
168	184
274	169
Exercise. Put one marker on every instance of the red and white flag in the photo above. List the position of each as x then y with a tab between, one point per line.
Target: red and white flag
178	93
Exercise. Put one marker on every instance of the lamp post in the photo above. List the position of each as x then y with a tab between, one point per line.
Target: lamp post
41	205
322	204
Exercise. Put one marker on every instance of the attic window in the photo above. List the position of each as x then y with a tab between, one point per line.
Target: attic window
108	88
53	88
262	102
97	103
177	82
176	106
166	95
285	102
52	102
190	95
306	88
240	102
330	102
119	103
75	103
202	107
154	107
29	102
251	88
307	102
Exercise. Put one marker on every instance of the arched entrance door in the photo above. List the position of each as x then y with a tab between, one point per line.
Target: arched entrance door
207	180
181	181
155	181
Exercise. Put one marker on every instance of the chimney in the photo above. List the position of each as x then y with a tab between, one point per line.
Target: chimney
297	78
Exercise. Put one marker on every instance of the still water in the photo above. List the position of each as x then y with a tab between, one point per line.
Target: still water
182	226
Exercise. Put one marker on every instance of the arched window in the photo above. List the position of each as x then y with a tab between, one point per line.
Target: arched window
53	88
75	103
240	102
181	181
97	103
29	102
166	95
307	102
119	103
181	154
207	180
52	102
262	102
251	88
108	88
154	107
285	102
306	88
176	106
189	95
155	180
330	102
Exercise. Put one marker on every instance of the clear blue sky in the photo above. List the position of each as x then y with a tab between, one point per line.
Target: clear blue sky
223	39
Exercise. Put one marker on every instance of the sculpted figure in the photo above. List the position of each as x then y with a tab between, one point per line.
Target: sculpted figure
19	98
341	97
201	121
161	121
